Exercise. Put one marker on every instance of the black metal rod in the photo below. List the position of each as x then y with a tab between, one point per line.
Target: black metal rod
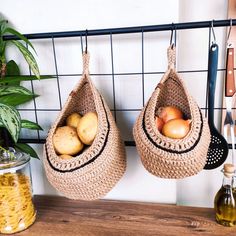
127	30
143	85
56	69
42	141
36	141
207	84
34	101
127	109
113	78
131	73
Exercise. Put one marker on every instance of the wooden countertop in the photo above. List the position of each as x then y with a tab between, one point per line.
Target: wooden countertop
60	216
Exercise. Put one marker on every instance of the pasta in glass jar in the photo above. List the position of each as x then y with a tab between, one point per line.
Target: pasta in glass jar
17	210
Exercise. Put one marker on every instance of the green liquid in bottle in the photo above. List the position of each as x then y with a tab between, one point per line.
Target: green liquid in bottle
225	206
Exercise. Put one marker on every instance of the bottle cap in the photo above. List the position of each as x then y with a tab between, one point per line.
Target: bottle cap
229	170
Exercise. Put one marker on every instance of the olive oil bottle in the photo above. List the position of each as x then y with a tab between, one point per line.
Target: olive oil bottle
225	199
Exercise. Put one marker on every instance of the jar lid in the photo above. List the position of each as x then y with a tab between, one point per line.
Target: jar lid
12	160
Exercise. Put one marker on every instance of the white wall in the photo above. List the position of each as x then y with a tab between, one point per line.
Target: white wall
200	189
44	16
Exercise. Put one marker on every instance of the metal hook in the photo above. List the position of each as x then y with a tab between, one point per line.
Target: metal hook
86	41
213	32
230	27
171	37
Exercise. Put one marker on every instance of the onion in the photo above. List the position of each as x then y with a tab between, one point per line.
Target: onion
159	123
169	113
176	129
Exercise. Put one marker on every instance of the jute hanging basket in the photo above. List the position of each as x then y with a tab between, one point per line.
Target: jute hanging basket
163	156
94	172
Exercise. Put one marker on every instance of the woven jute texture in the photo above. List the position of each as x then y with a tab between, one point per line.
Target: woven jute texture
94	172
163	156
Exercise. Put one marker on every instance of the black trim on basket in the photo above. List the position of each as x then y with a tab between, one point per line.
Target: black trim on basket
90	161
166	149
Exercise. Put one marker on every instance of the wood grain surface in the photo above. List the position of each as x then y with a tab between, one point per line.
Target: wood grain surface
59	216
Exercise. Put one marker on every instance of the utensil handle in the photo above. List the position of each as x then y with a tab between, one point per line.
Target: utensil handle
212	73
229	78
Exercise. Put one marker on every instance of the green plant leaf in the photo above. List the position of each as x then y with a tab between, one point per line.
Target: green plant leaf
28	57
10	118
7	90
9	79
12	68
3	26
2	47
27	124
19	35
24	147
15	95
15	99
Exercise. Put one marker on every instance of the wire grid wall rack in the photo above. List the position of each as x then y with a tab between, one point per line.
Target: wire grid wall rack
83	36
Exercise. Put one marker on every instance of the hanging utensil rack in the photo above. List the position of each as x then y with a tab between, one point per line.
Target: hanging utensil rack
112	31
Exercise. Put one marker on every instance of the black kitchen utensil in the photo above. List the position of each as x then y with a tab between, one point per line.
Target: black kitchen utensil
218	149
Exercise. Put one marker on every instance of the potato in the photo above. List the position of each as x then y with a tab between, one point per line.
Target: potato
66	141
73	120
87	127
65	156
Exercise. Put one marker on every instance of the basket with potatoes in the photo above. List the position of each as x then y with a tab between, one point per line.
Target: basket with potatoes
171	135
84	156
78	133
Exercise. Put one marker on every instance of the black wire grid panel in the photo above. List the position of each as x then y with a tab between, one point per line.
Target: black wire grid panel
128	30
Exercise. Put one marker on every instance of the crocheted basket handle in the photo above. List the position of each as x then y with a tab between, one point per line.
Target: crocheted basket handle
86	57
171	55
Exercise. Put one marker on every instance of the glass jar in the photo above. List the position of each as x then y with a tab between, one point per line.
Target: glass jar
17	210
225	199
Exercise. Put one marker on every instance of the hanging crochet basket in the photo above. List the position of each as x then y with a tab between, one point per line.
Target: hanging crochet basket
163	156
94	172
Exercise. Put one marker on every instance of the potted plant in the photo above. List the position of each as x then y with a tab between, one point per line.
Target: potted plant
12	93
